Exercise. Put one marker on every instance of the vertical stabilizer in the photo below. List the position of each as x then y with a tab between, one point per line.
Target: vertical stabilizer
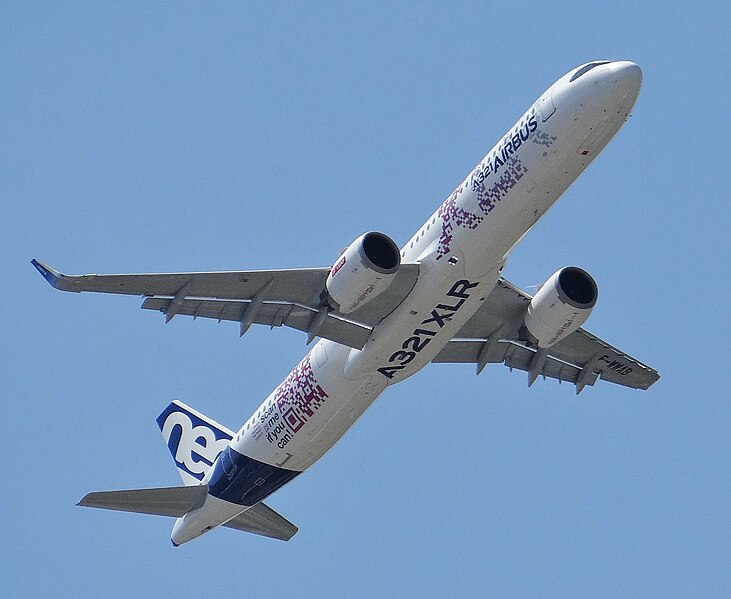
194	440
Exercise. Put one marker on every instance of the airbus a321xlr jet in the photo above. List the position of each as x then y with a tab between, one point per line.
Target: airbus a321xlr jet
383	313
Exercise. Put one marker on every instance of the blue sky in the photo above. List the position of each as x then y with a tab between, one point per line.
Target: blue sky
177	137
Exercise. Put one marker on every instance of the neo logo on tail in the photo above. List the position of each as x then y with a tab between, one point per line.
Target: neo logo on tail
194	440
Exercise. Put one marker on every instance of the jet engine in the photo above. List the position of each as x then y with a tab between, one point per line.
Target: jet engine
562	305
363	271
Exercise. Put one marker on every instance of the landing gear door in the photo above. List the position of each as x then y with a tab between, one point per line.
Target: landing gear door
546	105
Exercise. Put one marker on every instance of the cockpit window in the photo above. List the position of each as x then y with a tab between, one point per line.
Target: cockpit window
586	68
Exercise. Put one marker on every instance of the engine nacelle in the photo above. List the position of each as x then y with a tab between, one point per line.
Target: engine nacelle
561	305
364	270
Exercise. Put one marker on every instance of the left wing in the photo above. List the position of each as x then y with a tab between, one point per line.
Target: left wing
494	334
291	298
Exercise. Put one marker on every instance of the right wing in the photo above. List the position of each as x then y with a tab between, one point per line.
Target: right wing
273	297
494	335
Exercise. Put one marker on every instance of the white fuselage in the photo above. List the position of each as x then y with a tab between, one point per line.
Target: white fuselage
460	250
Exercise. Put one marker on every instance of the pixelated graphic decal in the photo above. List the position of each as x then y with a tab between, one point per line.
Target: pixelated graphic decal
487	197
454	216
543	139
296	400
489	191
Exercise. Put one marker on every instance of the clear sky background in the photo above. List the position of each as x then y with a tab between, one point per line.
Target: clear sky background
191	136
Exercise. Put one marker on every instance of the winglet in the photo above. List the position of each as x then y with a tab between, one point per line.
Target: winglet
52	276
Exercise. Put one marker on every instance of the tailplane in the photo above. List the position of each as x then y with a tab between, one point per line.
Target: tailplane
175	502
194	440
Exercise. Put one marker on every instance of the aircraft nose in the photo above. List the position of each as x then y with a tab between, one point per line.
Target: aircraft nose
626	78
629	75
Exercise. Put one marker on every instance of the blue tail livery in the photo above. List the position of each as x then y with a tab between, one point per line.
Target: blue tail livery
194	440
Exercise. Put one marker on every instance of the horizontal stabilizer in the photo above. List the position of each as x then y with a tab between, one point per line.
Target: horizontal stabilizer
263	520
167	501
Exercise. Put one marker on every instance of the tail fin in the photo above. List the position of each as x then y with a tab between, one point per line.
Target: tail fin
194	440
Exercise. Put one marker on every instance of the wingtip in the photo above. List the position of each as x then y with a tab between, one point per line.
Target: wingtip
48	273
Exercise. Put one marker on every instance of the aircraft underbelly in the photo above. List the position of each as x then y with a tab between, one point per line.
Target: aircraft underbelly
333	385
460	260
458	255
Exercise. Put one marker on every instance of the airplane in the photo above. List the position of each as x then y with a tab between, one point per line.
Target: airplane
383	313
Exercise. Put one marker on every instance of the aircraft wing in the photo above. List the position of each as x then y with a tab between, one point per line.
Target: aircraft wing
272	297
493	335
